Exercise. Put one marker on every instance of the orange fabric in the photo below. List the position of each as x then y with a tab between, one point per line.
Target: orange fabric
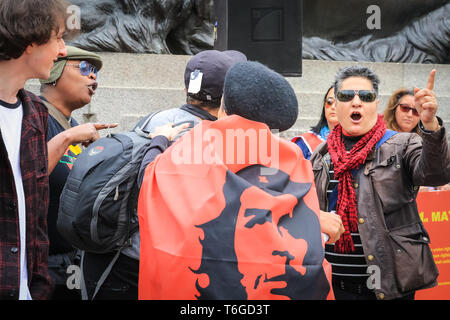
216	226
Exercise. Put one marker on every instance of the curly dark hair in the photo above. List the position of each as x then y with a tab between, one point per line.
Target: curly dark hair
24	22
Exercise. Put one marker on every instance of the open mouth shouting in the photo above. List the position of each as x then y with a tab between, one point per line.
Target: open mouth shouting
92	87
356	117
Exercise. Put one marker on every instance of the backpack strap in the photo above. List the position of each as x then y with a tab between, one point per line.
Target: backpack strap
387	135
139	128
57	115
101	280
84	295
106	273
198	112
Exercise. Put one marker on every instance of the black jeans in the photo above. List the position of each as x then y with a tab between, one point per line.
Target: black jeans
121	283
58	265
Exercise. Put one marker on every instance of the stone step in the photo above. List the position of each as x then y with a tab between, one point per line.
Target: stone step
133	85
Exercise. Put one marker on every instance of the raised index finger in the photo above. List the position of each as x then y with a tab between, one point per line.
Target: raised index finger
430	84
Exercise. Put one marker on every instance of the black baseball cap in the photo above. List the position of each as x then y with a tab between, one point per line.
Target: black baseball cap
211	66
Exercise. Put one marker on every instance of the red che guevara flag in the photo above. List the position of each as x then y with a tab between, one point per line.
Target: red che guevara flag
230	211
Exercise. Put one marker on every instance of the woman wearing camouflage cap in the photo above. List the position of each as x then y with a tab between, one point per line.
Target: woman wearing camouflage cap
71	85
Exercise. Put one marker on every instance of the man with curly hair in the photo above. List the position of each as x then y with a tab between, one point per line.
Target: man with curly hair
31	40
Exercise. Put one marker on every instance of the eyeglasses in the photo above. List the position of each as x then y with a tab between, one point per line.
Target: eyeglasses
406	108
349	95
329	102
85	68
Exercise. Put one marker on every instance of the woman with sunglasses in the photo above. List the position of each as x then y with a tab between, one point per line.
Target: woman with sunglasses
71	85
309	141
400	113
369	177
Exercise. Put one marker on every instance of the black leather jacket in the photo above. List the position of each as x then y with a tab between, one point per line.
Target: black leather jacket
393	236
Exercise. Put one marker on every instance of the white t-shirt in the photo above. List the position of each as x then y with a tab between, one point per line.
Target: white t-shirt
11	128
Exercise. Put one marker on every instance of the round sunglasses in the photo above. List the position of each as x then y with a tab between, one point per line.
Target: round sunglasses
349	95
85	67
406	108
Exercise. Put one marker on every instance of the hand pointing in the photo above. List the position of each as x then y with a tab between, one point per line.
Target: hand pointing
426	104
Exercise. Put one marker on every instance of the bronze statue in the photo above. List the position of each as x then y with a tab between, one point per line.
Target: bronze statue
413	31
145	26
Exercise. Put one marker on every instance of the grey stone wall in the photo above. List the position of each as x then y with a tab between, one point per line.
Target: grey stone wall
133	85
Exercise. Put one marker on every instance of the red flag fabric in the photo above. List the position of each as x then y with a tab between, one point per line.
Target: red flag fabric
230	211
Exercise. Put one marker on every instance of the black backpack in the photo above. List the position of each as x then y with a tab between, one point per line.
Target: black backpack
98	205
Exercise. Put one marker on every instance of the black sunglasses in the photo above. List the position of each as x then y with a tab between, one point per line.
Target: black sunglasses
349	95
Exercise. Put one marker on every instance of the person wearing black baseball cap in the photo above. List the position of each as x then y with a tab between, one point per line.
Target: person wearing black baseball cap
233	213
204	77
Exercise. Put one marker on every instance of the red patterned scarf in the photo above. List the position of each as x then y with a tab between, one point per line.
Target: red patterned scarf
344	162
